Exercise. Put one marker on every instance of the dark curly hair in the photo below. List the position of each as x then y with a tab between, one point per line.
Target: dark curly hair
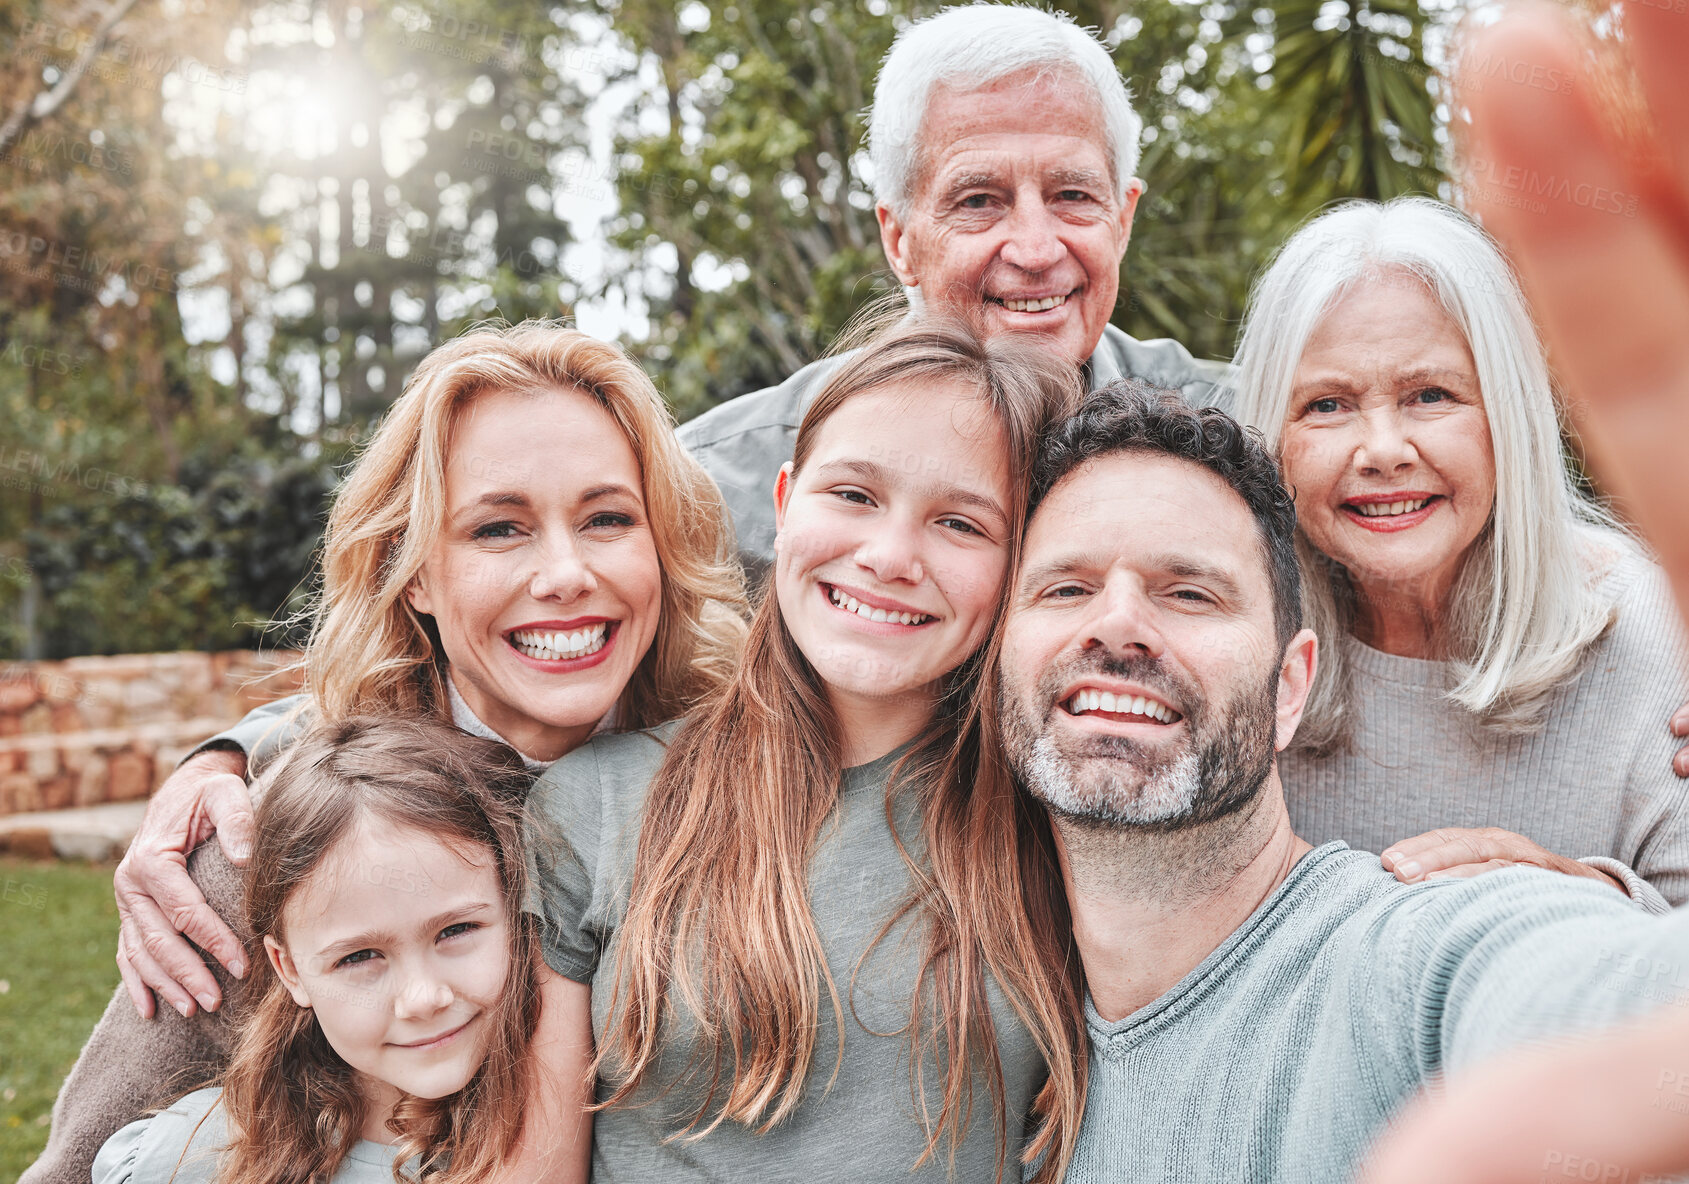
1134	416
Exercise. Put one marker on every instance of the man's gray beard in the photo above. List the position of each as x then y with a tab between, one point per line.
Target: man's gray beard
1166	793
1218	771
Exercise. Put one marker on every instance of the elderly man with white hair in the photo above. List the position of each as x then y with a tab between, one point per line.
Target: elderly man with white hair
1003	144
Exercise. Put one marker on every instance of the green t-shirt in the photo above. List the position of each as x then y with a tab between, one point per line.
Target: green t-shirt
866	1126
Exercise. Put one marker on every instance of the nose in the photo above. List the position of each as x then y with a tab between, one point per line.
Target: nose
1124	621
1385	447
563	573
893	552
1034	243
421	996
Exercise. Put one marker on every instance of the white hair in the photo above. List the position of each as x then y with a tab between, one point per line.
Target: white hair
972	48
1527	605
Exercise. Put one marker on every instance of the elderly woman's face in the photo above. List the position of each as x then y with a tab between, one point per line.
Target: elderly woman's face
1015	216
544	582
1386	442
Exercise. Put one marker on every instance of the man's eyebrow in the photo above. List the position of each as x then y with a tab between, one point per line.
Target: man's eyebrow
1083	178
974	179
1056	569
946	491
1212	575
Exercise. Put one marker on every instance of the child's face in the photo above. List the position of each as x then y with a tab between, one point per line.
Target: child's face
399	944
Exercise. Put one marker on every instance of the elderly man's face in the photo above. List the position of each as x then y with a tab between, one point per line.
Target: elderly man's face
1014	208
1142	683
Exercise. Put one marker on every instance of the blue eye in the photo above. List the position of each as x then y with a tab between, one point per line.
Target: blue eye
357	958
1433	394
1323	406
459	929
494	530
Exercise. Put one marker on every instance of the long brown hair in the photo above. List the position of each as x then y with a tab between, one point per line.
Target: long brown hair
719	917
370	651
294	1106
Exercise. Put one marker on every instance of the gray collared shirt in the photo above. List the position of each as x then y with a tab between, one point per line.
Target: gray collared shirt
743	442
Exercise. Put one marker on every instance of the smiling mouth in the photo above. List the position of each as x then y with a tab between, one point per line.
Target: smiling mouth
1394	509
1124	708
881	616
559	645
436	1041
1041	305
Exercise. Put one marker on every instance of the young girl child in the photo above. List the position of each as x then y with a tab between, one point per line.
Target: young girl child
390	1036
819	934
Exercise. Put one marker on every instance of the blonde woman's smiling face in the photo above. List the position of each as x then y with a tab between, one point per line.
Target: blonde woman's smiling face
893	539
1386	442
544	584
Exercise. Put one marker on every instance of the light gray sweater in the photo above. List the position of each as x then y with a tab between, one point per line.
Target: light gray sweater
1281	1056
1595	781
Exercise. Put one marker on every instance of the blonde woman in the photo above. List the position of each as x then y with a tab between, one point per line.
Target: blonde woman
524	549
1500	661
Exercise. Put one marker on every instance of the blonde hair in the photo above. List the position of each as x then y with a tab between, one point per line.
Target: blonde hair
370	651
1527	605
718	924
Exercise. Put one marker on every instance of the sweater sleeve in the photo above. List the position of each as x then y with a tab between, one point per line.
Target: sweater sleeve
1523	955
564	836
1642	670
263	732
130	1065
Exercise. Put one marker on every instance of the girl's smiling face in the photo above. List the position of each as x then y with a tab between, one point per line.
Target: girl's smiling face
893	539
398	942
544	583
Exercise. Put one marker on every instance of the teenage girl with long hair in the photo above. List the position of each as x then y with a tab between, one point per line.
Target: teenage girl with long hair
819	932
389	1035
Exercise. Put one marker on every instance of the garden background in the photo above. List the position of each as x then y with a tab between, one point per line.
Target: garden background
229	229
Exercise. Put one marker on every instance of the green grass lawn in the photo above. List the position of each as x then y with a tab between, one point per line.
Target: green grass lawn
58	932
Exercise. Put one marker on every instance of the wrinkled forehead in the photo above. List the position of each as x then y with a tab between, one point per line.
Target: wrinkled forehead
1046	123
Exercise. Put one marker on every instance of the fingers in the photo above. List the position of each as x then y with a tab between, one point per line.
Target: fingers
1600	236
228	810
1411	859
1658	39
1680	721
1680	762
1465	871
145	1005
154	924
144	938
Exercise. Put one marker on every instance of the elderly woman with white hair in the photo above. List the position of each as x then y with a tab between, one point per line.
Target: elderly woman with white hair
1499	660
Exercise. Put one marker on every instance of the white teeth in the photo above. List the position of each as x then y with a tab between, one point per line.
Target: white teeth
1093	700
552	647
1390	509
1035	305
851	604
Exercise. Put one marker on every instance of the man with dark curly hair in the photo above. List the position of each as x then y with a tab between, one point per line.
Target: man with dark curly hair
1258	1008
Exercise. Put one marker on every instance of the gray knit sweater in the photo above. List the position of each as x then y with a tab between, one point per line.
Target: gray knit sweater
1595	781
1281	1056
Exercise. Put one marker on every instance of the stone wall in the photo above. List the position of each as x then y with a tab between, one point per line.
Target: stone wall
90	730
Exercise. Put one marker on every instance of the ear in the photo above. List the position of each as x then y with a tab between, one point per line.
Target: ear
894	238
782	495
1295	680
1129	210
285	970
417	593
